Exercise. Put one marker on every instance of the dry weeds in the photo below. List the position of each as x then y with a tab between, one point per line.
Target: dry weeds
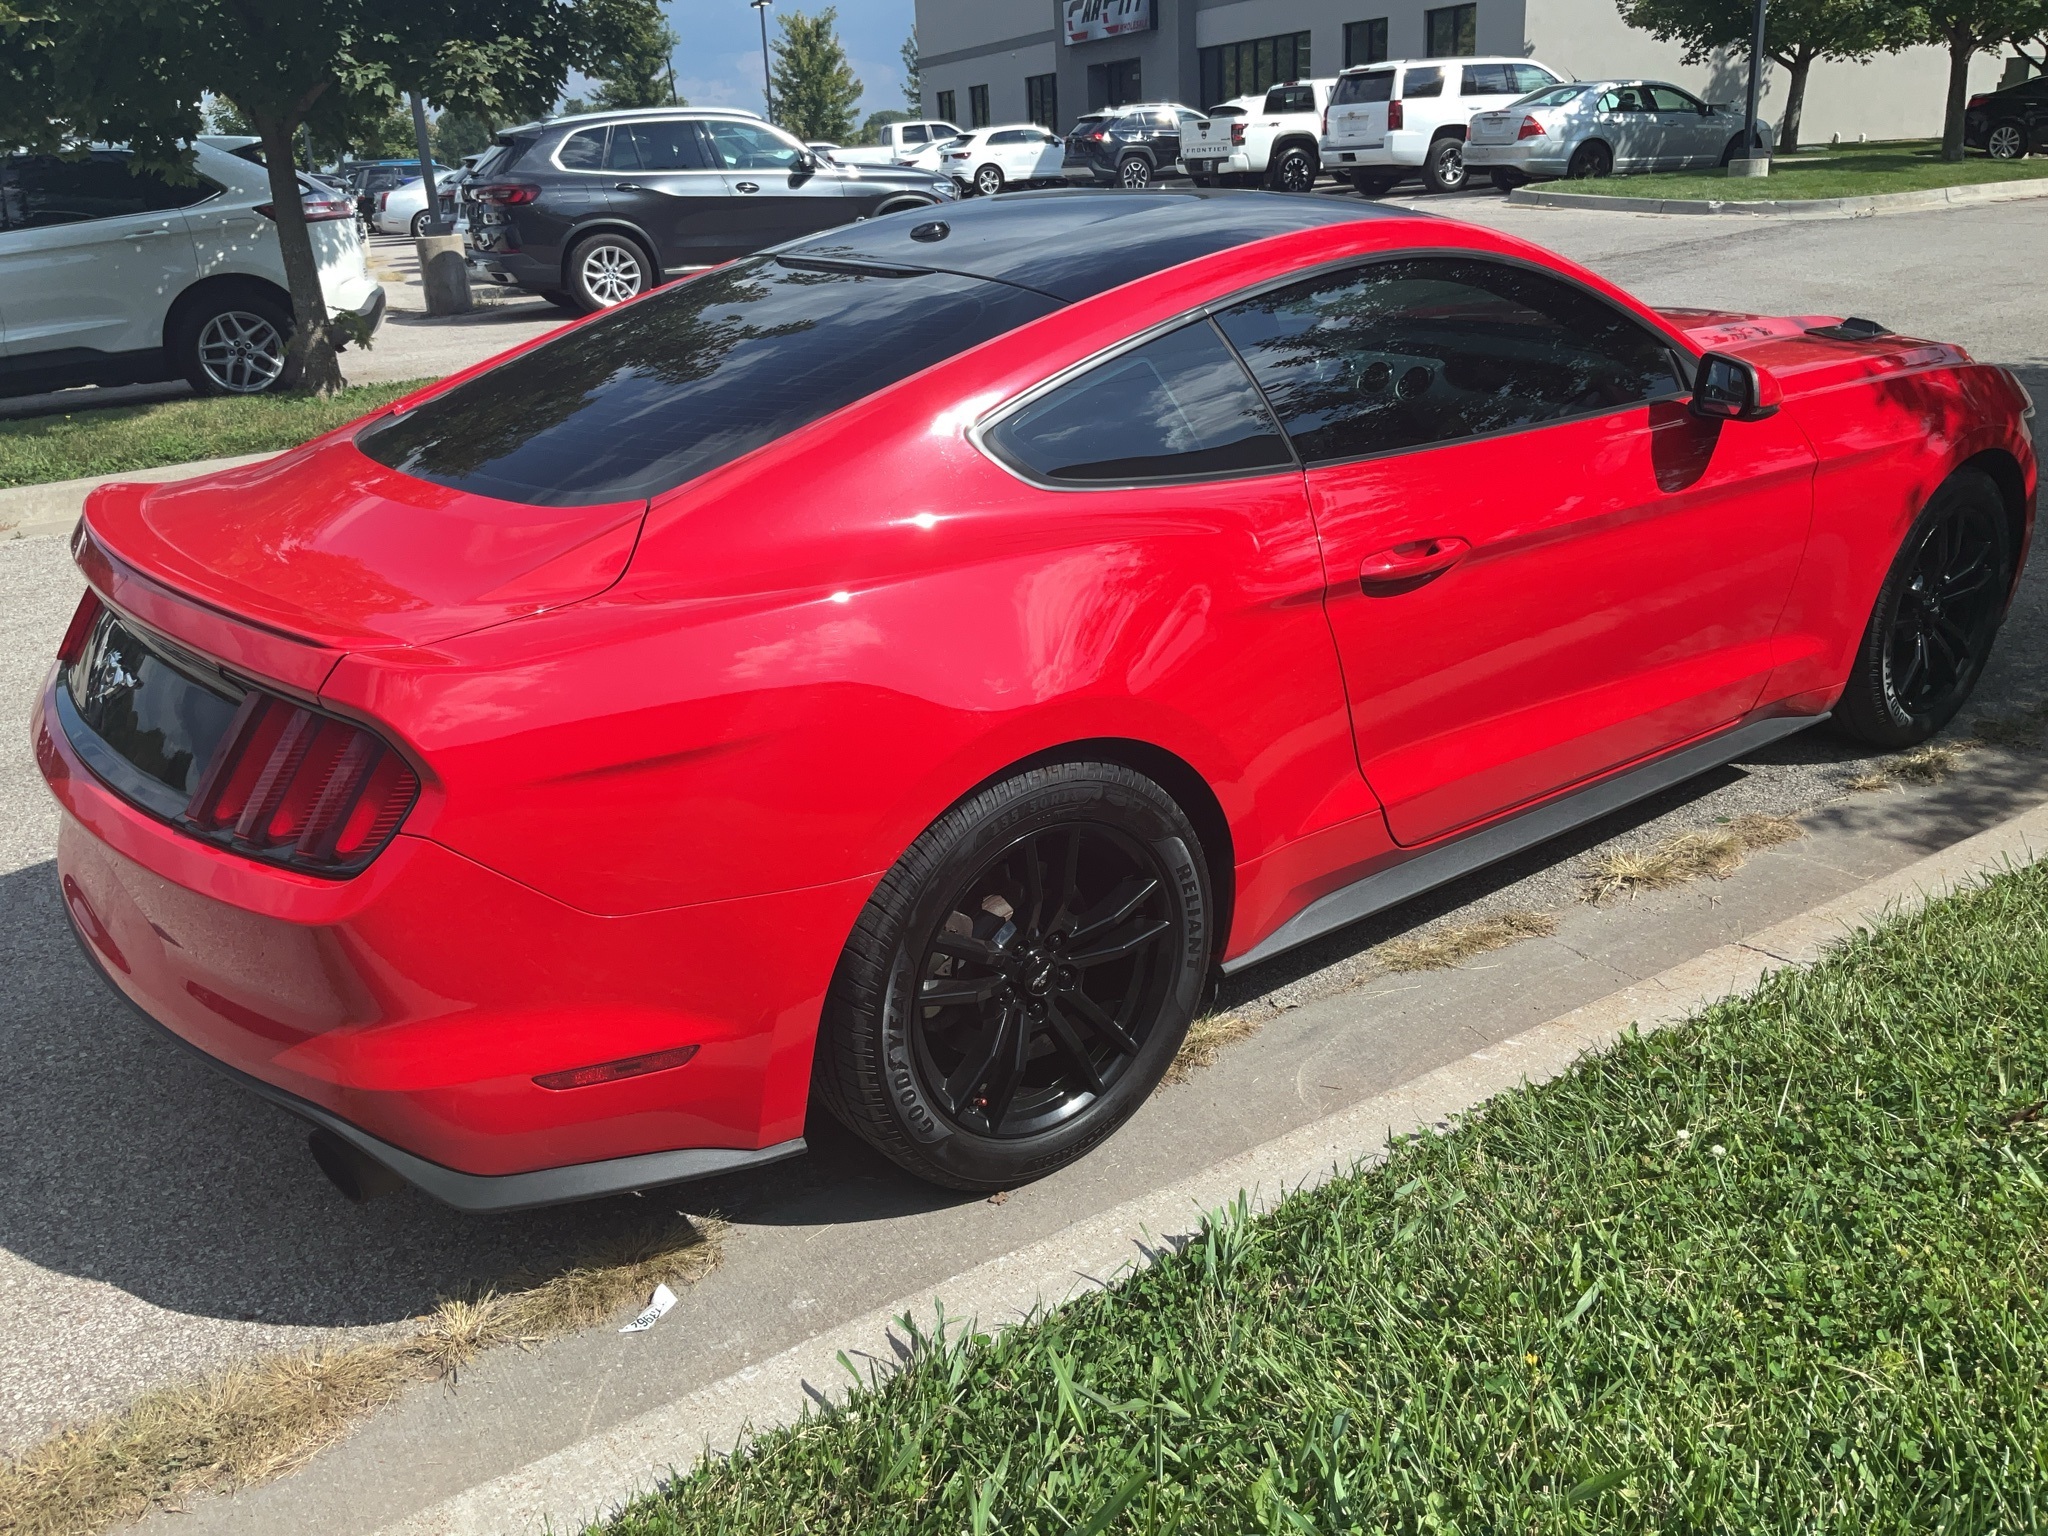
1205	1042
1923	765
1715	855
1444	947
253	1421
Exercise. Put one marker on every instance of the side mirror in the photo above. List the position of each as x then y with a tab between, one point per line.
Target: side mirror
1728	389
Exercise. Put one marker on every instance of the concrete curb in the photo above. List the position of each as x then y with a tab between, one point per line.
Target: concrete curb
1810	208
28	511
587	1480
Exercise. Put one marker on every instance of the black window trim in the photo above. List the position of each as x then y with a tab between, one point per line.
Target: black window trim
1683	357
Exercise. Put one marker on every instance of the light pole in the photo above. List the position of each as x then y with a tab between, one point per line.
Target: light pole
1757	164
767	88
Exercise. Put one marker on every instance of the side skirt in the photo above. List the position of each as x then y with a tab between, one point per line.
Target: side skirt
1444	863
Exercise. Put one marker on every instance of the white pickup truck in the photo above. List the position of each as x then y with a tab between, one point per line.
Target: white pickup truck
901	144
1272	143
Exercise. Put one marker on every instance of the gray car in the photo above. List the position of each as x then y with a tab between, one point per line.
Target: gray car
1602	128
589	211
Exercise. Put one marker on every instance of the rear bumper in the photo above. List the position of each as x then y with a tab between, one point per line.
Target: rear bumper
1402	149
1532	157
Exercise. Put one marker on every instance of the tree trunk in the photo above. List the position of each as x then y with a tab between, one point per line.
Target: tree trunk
1796	69
310	361
1962	48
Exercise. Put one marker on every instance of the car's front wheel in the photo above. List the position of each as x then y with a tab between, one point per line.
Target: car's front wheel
2008	141
235	346
988	181
607	269
1021	980
1936	616
1135	171
1443	168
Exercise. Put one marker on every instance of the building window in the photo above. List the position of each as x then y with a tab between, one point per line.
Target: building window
1365	42
1114	84
977	106
1249	68
1453	32
949	112
1042	99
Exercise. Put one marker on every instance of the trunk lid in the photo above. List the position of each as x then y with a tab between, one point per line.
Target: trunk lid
1496	127
1358	108
326	545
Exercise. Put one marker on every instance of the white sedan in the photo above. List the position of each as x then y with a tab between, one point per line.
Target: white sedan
403	210
989	159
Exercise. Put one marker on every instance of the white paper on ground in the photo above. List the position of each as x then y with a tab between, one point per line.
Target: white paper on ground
664	1298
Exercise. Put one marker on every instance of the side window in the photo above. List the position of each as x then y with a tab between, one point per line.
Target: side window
1530	77
1665	98
43	191
1486	80
582	151
1179	407
656	146
1011	136
1406	353
1424	82
913	135
741	146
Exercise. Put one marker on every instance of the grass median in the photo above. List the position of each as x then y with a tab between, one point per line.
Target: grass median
1844	170
1780	1269
113	440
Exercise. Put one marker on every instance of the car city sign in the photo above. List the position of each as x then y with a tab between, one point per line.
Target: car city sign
1089	21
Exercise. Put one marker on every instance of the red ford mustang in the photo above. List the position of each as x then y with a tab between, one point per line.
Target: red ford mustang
901	670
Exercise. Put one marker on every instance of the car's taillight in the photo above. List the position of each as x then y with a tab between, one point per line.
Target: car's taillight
318	210
507	193
1531	129
81	628
1326	122
1236	134
1097	136
295	787
1976	104
1394	117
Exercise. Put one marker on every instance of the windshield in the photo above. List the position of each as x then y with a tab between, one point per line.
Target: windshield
662	390
1550	96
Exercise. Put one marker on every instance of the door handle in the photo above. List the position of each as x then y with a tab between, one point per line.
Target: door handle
1398	568
627	186
146	234
746	186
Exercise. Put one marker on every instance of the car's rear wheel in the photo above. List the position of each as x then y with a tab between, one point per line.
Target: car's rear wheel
1507	181
234	346
420	224
1134	171
1020	981
1369	185
1936	617
1443	168
988	181
1590	160
2008	141
1295	170
608	269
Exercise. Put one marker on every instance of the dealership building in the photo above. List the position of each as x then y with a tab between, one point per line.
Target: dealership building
1048	61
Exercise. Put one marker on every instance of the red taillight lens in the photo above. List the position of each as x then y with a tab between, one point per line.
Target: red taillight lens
1531	129
1976	104
1236	134
80	628
303	789
1097	136
383	201
1394	117
326	210
506	193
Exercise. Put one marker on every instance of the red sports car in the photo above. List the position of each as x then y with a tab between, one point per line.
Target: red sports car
899	671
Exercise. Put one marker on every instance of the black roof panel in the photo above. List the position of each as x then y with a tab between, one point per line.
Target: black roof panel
1075	244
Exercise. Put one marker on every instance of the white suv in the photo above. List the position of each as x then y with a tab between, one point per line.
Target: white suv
1387	121
113	275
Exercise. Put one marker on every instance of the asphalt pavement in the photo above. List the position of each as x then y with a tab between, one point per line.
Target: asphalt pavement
154	1221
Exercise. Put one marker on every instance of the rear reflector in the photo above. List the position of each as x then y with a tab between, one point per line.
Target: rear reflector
612	1071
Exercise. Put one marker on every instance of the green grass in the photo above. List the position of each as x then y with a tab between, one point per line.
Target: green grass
1845	170
37	449
1778	1270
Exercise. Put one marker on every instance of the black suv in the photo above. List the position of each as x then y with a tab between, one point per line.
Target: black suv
2011	123
1128	146
589	211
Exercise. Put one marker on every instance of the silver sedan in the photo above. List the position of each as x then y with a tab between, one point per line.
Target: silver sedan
1601	127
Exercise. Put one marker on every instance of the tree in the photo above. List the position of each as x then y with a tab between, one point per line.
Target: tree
640	74
870	131
137	71
456	134
815	88
1967	28
913	80
1797	34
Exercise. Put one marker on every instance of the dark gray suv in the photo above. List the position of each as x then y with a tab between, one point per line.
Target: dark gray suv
589	211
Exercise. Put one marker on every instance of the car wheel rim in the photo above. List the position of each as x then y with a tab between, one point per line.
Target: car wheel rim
989	183
1294	174
1136	173
241	352
2005	143
1451	168
611	274
1946	615
1044	979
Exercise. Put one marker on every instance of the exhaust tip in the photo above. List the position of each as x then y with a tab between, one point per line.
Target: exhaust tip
349	1169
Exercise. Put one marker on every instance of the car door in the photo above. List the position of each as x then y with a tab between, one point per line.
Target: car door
91	257
1623	120
1047	153
779	189
1541	566
667	185
1685	128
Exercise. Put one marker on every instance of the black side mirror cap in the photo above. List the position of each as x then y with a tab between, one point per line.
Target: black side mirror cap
1729	388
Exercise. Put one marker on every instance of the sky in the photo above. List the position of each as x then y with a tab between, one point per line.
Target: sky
719	61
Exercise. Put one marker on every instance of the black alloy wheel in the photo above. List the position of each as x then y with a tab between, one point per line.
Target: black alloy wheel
1135	171
1295	171
2008	141
1936	617
1590	160
1022	979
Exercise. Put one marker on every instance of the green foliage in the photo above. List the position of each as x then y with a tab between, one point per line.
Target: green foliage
913	79
456	134
815	87
639	73
1847	170
1780	1270
222	117
870	130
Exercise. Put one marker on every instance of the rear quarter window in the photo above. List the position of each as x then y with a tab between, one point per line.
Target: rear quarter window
1424	82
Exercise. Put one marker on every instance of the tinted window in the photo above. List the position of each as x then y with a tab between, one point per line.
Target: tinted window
741	146
1013	136
1291	98
913	135
582	151
1176	407
1529	77
945	129
691	377
1428	350
1487	80
1424	82
39	191
1376	86
658	146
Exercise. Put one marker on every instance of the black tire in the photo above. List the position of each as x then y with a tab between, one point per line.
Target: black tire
420	221
988	180
1295	170
1590	160
233	344
607	269
1134	171
934	1087
1367	184
1507	181
2006	141
1443	168
1935	619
